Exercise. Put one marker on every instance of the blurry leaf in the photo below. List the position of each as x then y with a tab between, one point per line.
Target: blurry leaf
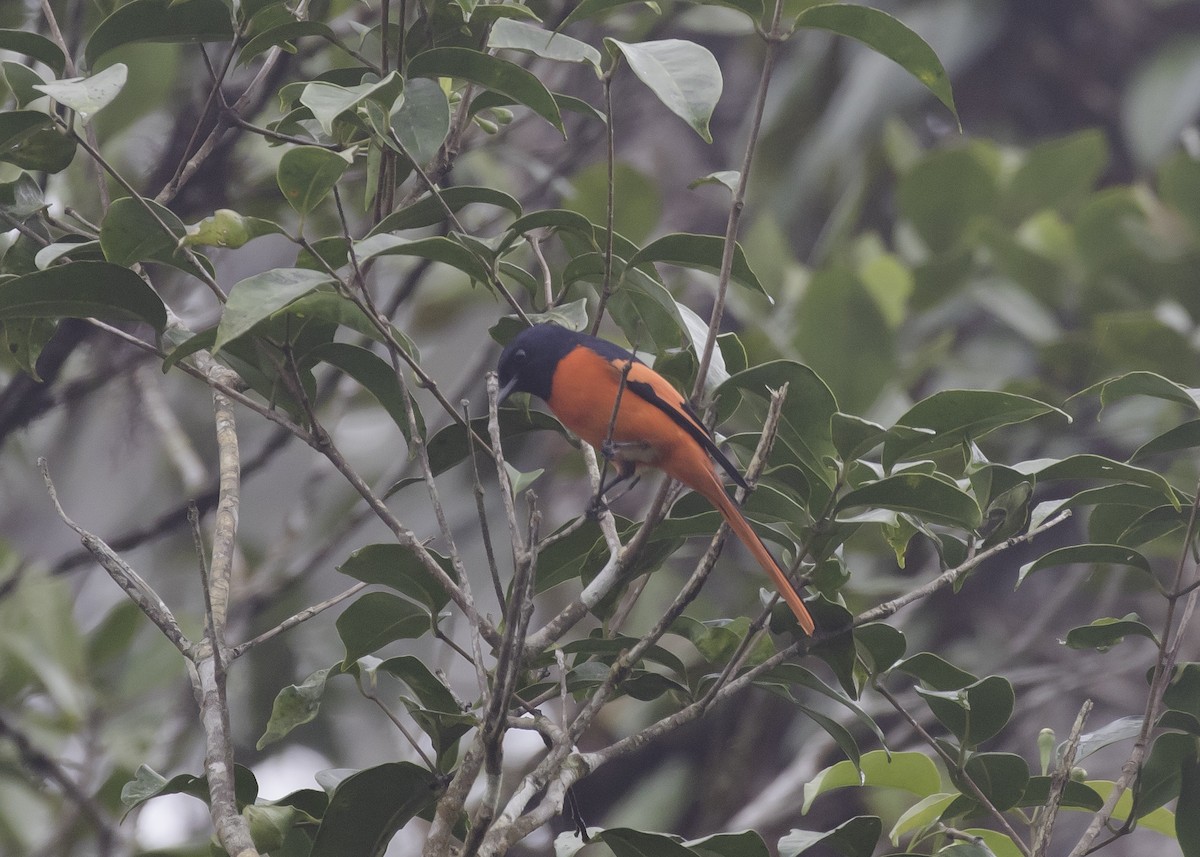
1179	185
88	95
702	252
376	619
1103	634
926	497
431	210
160	21
33	45
82	290
842	335
367	809
591	8
944	193
683	75
638	203
257	298
516	35
885	35
911	772
491	73
1057	172
1161	820
397	566
21	198
306	175
294	706
376	376
1183	691
1158	101
726	178
1161	775
854	838
422	122
520	480
29	140
1187	809
1088	554
950	417
269	825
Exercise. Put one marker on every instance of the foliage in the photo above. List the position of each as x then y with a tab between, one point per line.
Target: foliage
895	447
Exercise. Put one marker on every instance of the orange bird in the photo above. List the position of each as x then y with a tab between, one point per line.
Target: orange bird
579	376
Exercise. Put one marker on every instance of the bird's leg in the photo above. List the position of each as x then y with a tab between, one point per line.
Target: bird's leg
625	470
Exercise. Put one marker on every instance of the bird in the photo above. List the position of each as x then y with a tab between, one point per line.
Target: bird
579	377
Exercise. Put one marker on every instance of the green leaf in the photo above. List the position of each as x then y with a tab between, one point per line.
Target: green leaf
376	619
160	21
439	249
491	73
431	210
399	567
226	228
22	81
21	198
702	252
294	706
1089	466
1103	634
882	645
920	815
840	332
936	672
282	36
367	809
1002	777
376	376
926	497
952	417
946	192
591	8
1185	436
973	713
23	339
1086	554
306	175
130	233
88	95
33	45
519	36
1143	384
255	299
1183	691
422	121
885	35
1161	776
1057	172
1187	809
1075	794
683	75
430	690
854	838
82	290
1121	729
1161	820
911	772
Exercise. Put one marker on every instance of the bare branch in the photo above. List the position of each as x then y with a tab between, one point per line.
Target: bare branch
1058	783
296	619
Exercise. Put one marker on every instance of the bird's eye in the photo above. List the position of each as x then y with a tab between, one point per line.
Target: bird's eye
520	355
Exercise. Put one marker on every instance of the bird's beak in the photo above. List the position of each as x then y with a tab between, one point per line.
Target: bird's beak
506	391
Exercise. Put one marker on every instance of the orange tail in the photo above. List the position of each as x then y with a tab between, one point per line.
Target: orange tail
716	495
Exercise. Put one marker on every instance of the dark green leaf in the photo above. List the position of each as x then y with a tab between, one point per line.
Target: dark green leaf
422	121
400	568
946	191
431	210
82	290
255	299
160	21
1074	794
952	417
1002	777
1057	172
1187	809
376	619
375	375
306	175
591	8
1162	772
936	672
33	45
926	497
683	75
702	252
367	809
295	705
21	198
1185	436
282	36
130	233
1183	691
854	838
491	73
1089	466
745	844
1142	384
433	694
882	645
627	842
976	712
1087	554
911	772
445	250
886	35
1103	634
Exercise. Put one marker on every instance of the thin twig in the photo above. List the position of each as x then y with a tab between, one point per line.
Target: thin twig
1058	783
294	620
606	288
